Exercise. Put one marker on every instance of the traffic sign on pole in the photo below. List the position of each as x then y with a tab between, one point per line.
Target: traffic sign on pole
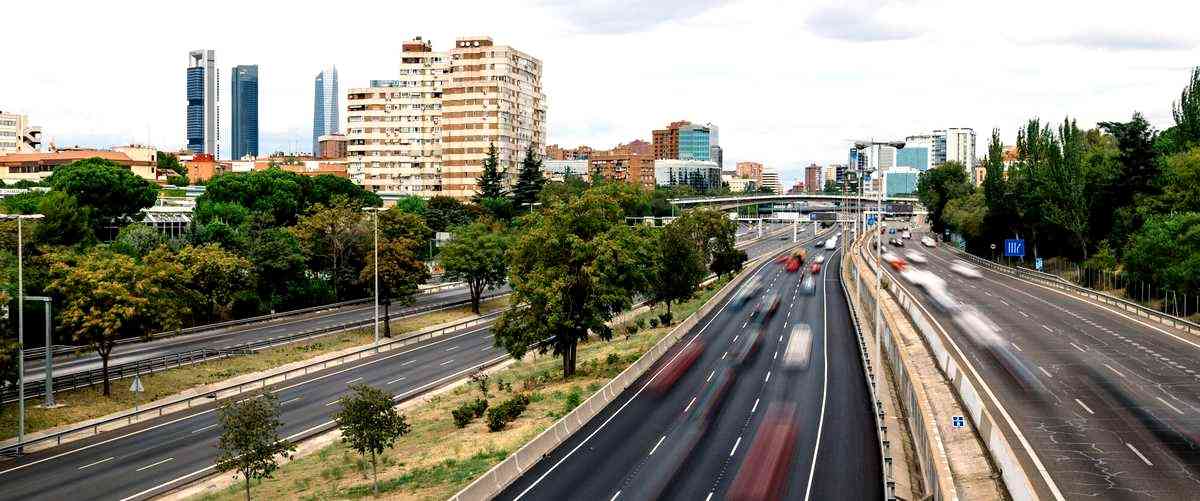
1014	247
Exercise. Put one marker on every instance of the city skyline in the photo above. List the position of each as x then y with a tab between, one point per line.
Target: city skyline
845	75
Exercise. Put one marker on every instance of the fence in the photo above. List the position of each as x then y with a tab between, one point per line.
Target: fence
1056	282
969	387
92	377
183	403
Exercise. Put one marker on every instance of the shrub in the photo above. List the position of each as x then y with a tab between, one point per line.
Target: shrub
480	380
612	359
665	318
641	322
462	415
479	407
653	323
506	412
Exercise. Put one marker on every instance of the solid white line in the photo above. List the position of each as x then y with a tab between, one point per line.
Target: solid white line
689	405
1085	407
97	462
1023	313
401	378
660	441
1139	454
1077	347
825	381
447	362
333	402
1114	370
147	467
198	430
1044	372
735	446
1168	404
355	380
614	496
752	409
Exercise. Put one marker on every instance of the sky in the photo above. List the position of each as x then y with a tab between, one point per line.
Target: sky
787	82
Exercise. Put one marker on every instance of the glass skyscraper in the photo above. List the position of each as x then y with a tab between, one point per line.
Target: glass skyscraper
693	143
202	92
325	106
244	130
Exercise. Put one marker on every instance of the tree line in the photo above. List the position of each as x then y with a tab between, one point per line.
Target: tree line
1121	197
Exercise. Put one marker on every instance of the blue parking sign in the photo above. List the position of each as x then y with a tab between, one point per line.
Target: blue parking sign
1014	247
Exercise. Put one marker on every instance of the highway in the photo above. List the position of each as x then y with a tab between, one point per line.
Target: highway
1105	404
158	455
696	437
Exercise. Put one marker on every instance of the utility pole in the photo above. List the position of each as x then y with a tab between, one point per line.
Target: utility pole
20	326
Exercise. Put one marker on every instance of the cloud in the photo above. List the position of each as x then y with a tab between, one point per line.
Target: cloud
1116	41
856	25
627	16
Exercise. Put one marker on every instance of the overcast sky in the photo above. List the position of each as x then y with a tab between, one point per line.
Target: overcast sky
788	82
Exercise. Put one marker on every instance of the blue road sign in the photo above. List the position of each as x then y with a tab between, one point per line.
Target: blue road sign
958	421
871	218
1038	263
1014	247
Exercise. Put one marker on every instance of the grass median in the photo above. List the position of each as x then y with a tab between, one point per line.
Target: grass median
438	458
88	403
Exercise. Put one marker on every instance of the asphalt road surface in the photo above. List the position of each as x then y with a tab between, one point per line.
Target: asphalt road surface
1108	404
692	439
158	455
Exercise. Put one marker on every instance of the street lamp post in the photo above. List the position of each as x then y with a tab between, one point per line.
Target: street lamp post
48	372
20	325
878	244
375	213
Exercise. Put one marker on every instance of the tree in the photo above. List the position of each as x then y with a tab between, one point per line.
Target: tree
679	264
137	240
370	424
966	215
10	351
218	275
65	222
111	191
937	186
1139	169
411	204
22	203
576	266
443	212
831	188
278	266
1166	251
250	441
529	181
1181	182
1187	113
168	161
490	182
1065	197
400	272
476	255
330	236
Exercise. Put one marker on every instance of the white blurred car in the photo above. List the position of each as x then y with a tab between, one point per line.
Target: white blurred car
915	257
964	270
820	259
799	347
928	242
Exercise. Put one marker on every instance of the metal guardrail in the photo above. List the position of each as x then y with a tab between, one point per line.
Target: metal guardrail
92	377
158	410
1057	282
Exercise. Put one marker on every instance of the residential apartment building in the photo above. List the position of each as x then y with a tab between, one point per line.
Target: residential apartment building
624	164
325	106
701	175
203	96
812	178
752	170
38	166
960	146
559	170
428	133
556	152
331	146
243	131
17	136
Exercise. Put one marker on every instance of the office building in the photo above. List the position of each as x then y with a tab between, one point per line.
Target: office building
244	128
325	106
17	136
702	175
770	179
934	143
752	170
960	146
203	95
812	178
428	132
901	181
682	140
914	156
715	152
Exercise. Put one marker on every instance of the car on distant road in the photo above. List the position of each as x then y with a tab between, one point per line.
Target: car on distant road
965	270
915	257
928	241
808	286
907	235
815	268
896	242
819	259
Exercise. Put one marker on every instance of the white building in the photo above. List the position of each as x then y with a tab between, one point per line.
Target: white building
17	136
558	170
770	179
701	175
960	147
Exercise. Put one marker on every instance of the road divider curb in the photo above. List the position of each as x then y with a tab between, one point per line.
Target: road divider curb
495	480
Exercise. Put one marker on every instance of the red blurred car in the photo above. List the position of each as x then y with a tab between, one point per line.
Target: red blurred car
816	268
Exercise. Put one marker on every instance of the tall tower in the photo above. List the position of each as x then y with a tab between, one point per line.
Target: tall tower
325	105
202	95
244	129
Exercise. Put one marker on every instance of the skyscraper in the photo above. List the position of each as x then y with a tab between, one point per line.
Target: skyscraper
244	129
202	96
325	106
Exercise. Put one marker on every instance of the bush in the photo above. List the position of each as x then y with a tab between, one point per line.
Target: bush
665	318
479	407
612	359
641	322
653	323
462	415
480	380
506	412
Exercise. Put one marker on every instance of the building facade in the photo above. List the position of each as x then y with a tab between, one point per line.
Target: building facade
38	166
752	170
916	157
901	181
812	178
331	146
203	95
960	146
244	129
556	152
17	136
428	133
624	164
325	105
701	175
560	170
770	179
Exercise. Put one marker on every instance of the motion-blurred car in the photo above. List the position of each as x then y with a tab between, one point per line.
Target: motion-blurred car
799	347
676	367
964	270
906	235
928	242
751	289
895	261
896	242
815	268
819	259
915	257
768	306
808	286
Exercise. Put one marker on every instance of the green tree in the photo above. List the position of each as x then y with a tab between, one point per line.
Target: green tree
411	204
679	264
400	272
279	268
370	424
443	212
576	266
491	181
137	240
250	444
529	182
476	255
9	351
1181	182
22	203
168	161
65	222
1065	196
1166	251
111	191
965	214
937	186
218	275
331	237
831	188
1187	113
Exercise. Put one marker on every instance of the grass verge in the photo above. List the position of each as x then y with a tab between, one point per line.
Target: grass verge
437	458
88	403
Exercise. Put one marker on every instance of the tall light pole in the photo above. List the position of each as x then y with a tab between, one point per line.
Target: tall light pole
860	145
375	213
21	325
